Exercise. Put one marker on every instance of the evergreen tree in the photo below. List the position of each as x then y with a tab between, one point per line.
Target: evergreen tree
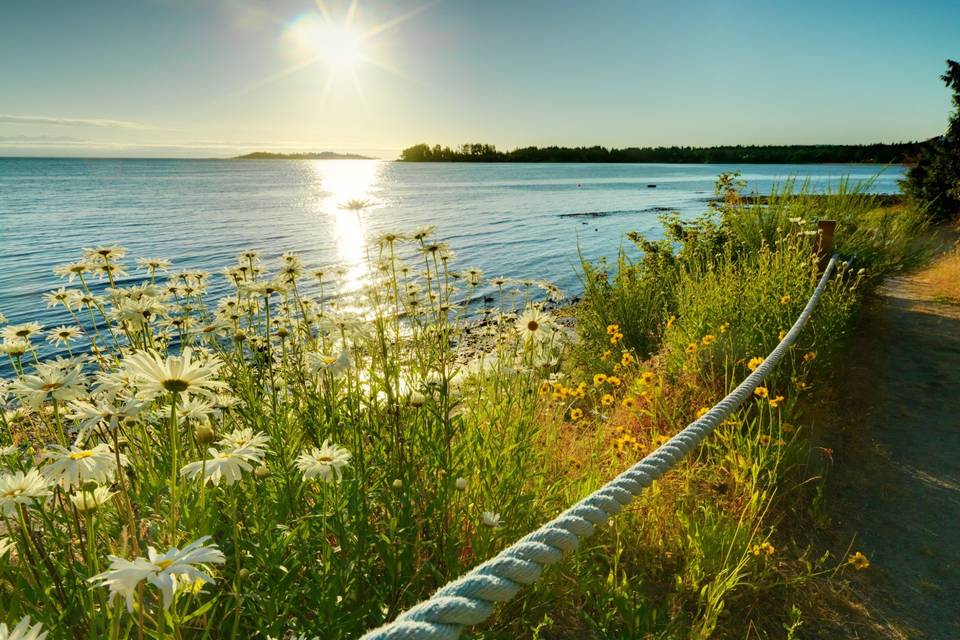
935	180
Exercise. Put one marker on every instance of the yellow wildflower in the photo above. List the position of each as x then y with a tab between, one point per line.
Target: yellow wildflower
626	359
859	561
670	321
576	414
615	338
605	354
614	380
754	363
761	392
629	402
782	334
647	377
810	356
599	379
661	440
708	339
765	440
724	327
775	402
785	298
691	348
606	400
702	411
613	329
545	388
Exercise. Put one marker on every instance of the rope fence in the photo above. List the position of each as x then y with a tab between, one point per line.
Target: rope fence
469	599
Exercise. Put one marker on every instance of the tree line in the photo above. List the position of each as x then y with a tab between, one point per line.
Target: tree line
900	152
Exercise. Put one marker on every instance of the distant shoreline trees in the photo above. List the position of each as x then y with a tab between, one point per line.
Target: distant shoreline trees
880	153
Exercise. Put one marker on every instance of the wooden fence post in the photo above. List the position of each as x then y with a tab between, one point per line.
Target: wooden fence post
824	242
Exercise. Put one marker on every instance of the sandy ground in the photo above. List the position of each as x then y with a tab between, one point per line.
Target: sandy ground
896	478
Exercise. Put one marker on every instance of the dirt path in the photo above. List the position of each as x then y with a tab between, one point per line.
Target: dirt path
897	473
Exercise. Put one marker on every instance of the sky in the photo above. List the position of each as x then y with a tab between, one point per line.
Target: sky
216	78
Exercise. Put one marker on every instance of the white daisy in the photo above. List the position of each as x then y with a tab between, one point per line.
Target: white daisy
63	335
23	631
91	500
323	363
534	325
75	466
181	374
167	572
21	488
62	381
490	519
20	331
325	463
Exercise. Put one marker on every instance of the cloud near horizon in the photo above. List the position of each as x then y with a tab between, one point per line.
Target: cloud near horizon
70	122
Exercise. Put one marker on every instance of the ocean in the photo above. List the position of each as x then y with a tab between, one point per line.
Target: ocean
514	220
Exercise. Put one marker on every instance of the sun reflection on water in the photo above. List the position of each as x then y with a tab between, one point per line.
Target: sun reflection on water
342	181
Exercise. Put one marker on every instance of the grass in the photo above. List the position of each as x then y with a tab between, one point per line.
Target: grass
345	457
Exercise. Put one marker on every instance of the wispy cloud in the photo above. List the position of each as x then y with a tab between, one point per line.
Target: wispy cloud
70	122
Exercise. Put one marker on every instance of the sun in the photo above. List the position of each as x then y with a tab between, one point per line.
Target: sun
336	45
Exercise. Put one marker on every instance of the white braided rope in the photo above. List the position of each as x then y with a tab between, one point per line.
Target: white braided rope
468	600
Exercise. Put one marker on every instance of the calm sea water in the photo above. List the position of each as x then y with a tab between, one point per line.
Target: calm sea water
507	219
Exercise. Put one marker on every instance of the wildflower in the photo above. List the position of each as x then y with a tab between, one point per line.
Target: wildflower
859	561
461	484
576	414
169	572
177	374
599	379
246	441
23	631
787	427
691	348
16	347
21	331
782	335
106	411
629	402
71	270
606	354
490	519
326	462
626	359
323	363
534	325
810	356
92	500
754	363
708	339
765	547
227	465
614	381
765	440
775	402
613	329
702	411
615	338
21	488
761	392
154	264
785	298
545	388
647	377
670	321
606	400
661	440
61	296
62	335
56	380
75	466
724	327
104	253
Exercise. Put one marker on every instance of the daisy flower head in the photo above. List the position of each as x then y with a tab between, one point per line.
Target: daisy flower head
16	347
227	465
20	487
21	331
23	631
491	519
61	296
61	380
63	335
176	374
91	500
335	365
104	253
326	462
534	325
168	572
75	466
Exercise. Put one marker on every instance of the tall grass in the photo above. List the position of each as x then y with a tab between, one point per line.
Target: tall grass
317	463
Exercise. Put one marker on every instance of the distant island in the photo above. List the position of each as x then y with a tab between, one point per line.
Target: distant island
879	153
325	155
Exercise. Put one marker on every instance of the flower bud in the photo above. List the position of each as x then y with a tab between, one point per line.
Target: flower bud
204	433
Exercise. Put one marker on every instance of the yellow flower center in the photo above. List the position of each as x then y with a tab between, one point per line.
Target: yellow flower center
325	459
163	564
80	455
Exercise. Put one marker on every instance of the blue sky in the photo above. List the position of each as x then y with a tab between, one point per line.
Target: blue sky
218	77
